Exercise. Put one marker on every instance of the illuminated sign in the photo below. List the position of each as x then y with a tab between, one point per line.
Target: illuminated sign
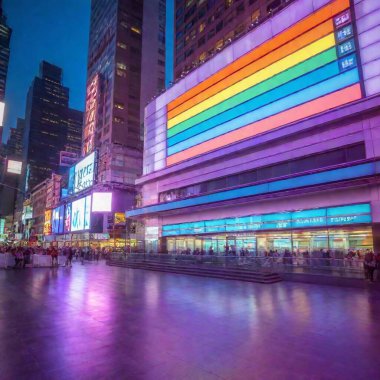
102	202
2	226
47	223
83	174
2	107
67	222
119	218
14	167
58	220
81	214
307	69
67	159
322	217
90	116
27	213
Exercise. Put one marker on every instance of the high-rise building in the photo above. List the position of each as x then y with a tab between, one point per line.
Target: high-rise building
5	39
49	125
126	68
153	51
204	27
14	146
272	146
113	121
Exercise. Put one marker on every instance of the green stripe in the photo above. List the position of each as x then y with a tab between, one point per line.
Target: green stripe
269	84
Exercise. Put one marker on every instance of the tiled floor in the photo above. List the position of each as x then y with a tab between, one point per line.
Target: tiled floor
99	322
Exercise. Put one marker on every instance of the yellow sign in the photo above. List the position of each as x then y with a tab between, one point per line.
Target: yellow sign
120	218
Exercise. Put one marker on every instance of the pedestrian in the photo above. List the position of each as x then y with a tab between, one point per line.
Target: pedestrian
369	265
81	254
69	256
54	256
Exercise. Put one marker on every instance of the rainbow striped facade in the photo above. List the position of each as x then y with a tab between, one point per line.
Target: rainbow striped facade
309	68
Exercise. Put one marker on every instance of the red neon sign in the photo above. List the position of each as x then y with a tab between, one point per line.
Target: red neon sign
91	116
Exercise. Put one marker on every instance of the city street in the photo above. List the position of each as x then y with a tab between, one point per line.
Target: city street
99	322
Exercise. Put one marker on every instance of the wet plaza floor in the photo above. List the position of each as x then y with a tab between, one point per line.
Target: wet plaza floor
99	322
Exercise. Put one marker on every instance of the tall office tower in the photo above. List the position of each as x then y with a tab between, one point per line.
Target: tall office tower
113	124
203	27
12	150
153	51
46	124
5	38
14	146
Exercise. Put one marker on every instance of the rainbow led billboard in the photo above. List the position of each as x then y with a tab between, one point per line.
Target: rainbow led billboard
309	68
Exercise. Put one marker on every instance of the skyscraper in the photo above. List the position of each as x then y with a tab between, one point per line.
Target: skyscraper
113	121
203	27
14	146
46	125
5	38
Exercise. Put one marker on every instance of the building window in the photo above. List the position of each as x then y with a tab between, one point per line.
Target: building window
119	106
201	41
228	3
255	15
203	56
219	27
202	27
219	44
121	66
121	45
135	29
118	120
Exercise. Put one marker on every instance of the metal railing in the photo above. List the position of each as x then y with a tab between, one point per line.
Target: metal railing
261	263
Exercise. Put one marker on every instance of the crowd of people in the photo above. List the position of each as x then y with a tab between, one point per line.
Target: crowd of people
24	255
351	258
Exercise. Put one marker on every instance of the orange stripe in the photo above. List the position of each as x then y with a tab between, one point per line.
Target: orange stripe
313	107
313	35
299	28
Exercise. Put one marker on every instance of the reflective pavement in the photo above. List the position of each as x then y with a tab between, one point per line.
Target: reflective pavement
99	322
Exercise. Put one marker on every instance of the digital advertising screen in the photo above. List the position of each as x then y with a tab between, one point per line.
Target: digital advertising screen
2	108
14	167
307	69
67	220
83	173
58	220
47	223
81	214
101	202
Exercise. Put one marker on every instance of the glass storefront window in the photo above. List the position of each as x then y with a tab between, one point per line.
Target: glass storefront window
303	243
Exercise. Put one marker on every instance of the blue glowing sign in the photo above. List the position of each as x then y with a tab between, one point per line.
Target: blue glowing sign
322	217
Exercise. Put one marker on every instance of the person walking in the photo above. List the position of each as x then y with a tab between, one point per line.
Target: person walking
69	256
369	265
54	256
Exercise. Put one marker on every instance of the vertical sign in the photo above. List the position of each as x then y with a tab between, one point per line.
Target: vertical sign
92	97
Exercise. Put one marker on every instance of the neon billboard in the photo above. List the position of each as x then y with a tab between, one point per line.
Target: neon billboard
92	99
307	69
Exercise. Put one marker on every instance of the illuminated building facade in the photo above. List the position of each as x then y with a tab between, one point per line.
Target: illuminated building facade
204	27
272	144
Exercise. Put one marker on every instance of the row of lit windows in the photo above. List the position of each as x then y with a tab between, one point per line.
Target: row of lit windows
321	160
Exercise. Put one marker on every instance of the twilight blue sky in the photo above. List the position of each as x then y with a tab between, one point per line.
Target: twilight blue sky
169	42
51	30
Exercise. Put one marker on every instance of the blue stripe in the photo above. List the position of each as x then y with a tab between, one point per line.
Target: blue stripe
328	176
316	76
333	84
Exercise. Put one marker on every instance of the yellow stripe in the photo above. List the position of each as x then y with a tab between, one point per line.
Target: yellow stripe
281	65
